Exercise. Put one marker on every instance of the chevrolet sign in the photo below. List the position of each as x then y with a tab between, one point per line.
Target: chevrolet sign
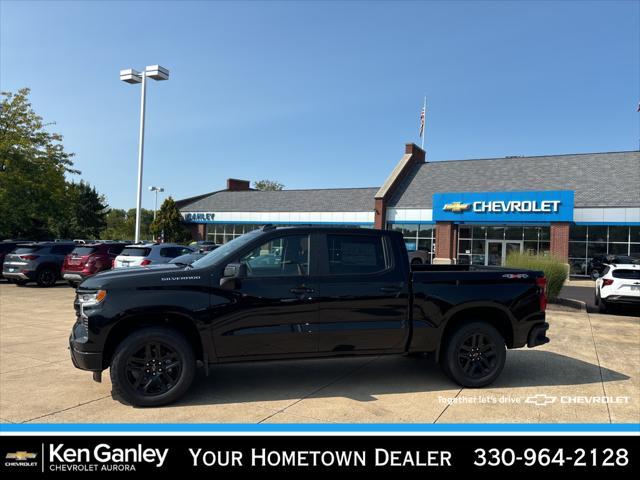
523	207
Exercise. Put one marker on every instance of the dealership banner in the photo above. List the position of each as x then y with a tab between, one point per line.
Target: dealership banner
498	207
52	456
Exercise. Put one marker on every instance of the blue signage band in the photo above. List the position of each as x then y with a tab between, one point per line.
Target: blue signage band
512	207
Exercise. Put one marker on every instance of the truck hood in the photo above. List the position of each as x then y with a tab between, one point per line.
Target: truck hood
132	275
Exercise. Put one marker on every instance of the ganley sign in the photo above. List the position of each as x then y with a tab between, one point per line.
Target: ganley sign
540	206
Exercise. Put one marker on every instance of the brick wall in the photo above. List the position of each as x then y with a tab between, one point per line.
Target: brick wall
445	240
560	240
197	230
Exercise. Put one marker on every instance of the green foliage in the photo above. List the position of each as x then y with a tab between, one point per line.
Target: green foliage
169	223
36	200
84	214
121	224
267	185
32	174
555	269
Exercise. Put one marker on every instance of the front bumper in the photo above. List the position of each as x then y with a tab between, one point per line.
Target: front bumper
91	361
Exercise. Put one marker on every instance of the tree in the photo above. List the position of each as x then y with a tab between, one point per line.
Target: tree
85	213
121	224
267	185
169	223
33	164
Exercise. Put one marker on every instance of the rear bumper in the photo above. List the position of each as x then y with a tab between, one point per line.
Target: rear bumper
17	275
73	277
627	299
538	335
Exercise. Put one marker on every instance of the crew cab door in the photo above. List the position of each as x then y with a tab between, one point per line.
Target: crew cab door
364	295
274	306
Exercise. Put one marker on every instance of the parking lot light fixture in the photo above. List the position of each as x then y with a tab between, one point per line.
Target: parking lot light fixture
157	190
155	72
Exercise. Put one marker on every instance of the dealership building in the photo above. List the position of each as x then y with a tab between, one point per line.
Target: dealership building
573	206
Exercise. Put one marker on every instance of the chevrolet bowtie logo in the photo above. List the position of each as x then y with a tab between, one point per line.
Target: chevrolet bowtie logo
21	456
456	207
541	399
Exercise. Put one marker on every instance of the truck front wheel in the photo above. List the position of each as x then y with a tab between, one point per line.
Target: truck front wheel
474	355
151	367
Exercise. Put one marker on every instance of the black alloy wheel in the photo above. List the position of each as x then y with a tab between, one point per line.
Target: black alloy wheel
474	354
152	366
477	355
46	277
154	369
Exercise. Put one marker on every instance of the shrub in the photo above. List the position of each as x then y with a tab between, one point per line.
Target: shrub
555	269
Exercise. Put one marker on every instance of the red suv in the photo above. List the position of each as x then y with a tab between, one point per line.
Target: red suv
88	259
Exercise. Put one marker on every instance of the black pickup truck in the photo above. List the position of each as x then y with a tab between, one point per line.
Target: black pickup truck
300	292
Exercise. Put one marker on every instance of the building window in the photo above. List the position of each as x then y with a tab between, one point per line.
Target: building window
472	241
588	241
223	232
417	237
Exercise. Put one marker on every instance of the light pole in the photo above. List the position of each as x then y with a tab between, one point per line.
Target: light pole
130	75
157	190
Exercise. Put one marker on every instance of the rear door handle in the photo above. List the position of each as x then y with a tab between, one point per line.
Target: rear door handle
390	289
301	290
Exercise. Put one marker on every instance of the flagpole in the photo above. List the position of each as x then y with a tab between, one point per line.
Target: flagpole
424	109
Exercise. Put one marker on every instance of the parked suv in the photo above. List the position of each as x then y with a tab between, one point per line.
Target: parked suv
6	247
596	266
38	262
619	284
149	253
88	259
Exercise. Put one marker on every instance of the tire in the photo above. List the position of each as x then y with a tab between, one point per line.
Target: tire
46	277
73	284
416	261
135	356
487	346
602	305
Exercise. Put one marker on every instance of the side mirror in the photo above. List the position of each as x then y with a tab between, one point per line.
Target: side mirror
232	274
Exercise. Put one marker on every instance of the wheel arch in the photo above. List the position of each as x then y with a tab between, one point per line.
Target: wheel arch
493	315
173	320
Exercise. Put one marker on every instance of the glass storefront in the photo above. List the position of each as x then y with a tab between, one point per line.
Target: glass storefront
490	245
418	237
223	232
588	241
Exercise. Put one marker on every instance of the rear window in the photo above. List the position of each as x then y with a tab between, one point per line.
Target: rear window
21	250
82	251
116	249
136	252
355	254
626	274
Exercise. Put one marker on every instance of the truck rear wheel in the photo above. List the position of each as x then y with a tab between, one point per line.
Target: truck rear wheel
474	355
151	367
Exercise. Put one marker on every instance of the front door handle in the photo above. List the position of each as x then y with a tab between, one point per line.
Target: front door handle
301	290
390	289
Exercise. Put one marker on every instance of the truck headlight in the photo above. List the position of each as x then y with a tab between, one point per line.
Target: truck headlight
93	298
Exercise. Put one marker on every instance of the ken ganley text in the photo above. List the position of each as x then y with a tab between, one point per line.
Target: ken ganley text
262	457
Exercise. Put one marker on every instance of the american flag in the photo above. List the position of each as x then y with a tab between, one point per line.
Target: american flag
422	113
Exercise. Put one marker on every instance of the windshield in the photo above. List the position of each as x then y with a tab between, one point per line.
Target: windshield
223	250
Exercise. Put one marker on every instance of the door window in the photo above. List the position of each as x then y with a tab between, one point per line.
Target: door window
282	256
355	254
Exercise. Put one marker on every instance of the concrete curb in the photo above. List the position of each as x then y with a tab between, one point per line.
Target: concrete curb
571	303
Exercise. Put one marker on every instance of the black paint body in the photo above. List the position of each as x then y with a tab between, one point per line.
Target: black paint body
399	310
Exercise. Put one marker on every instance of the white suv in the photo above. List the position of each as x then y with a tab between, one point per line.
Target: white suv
142	254
618	284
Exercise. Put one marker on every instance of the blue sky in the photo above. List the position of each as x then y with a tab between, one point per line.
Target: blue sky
321	94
